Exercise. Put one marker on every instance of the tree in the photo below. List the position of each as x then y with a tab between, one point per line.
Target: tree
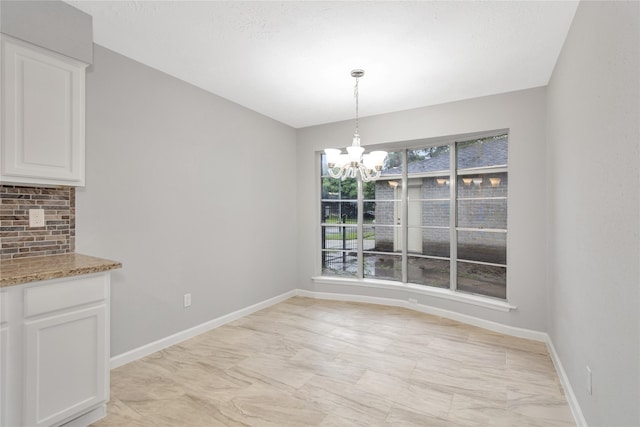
334	188
369	190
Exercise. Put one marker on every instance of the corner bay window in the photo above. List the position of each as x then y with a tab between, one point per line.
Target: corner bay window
436	217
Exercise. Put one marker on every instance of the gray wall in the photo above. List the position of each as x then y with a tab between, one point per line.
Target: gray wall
163	196
523	112
53	25
593	198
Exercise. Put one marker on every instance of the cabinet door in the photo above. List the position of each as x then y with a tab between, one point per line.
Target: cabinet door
43	101
66	365
4	345
4	340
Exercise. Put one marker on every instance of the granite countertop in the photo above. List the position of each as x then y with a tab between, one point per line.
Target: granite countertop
25	270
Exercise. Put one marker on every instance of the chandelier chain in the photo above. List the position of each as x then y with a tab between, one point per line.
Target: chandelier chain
356	95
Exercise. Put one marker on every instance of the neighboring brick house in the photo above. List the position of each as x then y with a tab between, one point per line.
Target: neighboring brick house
429	205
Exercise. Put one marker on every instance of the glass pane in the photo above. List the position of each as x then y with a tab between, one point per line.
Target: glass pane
430	272
369	238
323	165
386	212
434	187
430	159
393	163
382	204
482	213
333	188
482	279
382	238
491	151
339	263
385	189
379	266
339	212
433	213
482	246
483	185
369	212
369	190
429	241
338	237
391	166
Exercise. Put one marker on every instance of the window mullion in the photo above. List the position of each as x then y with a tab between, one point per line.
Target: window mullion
360	233
404	223
453	216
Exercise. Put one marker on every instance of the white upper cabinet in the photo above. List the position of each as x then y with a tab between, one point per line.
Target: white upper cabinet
43	116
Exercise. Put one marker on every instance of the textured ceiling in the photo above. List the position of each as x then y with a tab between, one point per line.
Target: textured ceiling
292	60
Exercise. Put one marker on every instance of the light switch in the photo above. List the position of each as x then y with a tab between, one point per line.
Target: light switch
36	217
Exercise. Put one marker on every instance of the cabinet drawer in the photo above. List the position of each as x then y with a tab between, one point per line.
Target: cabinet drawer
64	294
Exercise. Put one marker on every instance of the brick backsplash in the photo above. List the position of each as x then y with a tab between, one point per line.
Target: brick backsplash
18	240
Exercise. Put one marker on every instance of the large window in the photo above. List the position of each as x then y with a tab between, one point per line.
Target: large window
437	217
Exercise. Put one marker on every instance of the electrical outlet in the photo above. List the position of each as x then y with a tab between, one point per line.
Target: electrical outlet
187	300
589	382
36	217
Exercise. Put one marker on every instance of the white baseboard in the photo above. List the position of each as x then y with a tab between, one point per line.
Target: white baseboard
566	385
176	338
470	320
147	349
87	418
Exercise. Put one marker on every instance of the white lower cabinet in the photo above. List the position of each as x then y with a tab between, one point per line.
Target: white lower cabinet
65	365
4	347
64	335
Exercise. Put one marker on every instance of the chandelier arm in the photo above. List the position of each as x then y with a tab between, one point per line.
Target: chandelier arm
332	174
364	173
345	172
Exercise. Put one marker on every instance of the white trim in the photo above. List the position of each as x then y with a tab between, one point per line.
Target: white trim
470	320
578	416
178	337
480	198
88	417
483	169
422	143
484	230
478	300
481	263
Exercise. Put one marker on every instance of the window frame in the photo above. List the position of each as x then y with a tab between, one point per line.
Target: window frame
454	175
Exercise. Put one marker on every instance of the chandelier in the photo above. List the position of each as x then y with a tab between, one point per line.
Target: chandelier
354	162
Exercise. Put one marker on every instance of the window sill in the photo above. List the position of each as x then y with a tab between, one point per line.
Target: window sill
448	294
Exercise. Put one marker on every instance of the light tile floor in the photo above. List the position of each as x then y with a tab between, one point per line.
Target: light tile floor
307	362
